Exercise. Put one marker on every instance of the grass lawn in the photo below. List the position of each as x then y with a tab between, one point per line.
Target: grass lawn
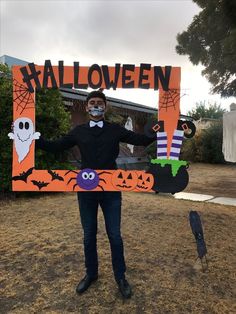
42	256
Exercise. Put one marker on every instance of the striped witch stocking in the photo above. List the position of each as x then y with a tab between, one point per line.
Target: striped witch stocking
161	145
176	144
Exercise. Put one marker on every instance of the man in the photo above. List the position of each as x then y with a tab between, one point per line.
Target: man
98	141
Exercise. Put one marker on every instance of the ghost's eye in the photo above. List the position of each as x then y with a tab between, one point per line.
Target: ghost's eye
91	176
26	125
85	175
21	125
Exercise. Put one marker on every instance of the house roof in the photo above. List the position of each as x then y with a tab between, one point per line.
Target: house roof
74	94
10	61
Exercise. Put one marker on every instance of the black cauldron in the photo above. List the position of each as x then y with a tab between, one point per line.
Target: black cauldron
165	181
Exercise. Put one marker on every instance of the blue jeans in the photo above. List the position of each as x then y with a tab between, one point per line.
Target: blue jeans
110	203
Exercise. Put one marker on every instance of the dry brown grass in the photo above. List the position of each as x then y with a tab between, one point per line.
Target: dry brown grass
216	180
42	258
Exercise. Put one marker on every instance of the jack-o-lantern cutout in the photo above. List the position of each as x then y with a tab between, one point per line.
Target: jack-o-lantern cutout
145	181
124	180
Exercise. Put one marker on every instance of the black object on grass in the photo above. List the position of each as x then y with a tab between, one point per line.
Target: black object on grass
197	230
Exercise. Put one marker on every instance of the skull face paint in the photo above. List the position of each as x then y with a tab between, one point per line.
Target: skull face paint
96	111
23	135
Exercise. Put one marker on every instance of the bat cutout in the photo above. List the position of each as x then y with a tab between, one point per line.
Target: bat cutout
40	184
197	230
55	176
23	176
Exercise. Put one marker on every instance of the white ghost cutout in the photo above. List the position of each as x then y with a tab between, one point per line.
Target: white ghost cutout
23	135
129	126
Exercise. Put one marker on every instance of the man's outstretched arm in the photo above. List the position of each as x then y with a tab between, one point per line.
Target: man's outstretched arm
58	145
133	138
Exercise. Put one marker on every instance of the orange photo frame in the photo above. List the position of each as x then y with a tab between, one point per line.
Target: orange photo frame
26	178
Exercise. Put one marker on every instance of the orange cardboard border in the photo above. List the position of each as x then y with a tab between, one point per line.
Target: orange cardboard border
168	113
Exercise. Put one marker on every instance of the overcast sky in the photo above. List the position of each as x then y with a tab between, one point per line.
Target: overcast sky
105	32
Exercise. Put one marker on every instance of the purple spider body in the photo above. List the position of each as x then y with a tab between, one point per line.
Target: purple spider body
87	179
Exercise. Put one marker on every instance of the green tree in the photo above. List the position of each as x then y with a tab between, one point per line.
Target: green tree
5	128
211	40
52	121
202	110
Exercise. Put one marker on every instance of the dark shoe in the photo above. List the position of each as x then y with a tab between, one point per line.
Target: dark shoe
85	283
124	288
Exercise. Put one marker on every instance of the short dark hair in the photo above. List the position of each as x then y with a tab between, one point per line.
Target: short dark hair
98	94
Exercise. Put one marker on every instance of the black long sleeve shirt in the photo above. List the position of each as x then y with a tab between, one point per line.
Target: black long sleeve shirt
99	147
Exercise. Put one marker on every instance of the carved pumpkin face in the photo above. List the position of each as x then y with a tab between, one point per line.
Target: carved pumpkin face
145	181
124	180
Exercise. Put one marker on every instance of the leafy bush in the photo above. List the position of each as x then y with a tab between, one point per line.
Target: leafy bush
205	146
52	121
189	149
5	127
212	144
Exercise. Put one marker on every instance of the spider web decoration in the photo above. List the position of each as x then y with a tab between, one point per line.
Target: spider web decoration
169	99
23	98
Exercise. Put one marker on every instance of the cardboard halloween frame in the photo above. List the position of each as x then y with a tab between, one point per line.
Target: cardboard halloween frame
166	172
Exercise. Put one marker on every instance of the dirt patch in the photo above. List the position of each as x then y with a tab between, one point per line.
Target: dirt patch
42	258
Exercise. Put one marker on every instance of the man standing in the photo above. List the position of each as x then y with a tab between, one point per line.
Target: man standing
98	141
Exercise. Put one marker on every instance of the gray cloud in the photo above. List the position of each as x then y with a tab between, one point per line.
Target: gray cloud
102	31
